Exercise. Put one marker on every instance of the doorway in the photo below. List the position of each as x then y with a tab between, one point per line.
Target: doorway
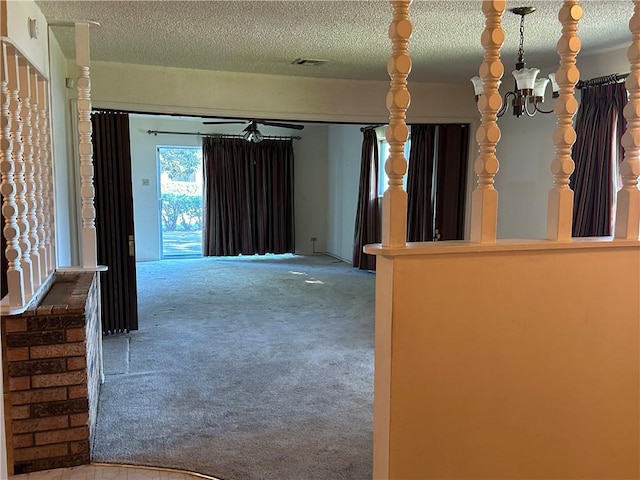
180	210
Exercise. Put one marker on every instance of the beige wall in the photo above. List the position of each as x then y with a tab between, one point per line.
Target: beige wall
198	92
515	361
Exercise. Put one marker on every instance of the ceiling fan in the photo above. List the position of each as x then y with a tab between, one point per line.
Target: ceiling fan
251	132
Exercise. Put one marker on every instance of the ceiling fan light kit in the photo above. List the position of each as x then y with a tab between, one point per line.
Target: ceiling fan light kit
251	132
529	89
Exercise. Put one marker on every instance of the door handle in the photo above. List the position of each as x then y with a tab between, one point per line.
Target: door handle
132	246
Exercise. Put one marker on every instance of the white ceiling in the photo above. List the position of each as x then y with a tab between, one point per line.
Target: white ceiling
266	36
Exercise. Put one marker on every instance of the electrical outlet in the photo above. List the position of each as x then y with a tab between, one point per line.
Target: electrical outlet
314	239
145	182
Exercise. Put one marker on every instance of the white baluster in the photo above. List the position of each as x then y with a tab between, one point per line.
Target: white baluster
15	281
87	190
30	177
38	171
560	201
394	201
628	200
484	200
48	194
19	172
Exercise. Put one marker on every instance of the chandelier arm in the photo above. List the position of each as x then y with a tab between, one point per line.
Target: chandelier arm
526	110
505	103
543	111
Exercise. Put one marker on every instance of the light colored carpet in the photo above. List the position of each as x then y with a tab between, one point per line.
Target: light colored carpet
244	368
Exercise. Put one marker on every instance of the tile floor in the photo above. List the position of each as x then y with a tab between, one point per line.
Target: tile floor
110	472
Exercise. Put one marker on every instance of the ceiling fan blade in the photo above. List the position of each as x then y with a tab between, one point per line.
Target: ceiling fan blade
225	122
282	125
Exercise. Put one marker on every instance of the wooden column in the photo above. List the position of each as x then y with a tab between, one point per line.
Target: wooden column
394	201
87	190
560	201
628	201
30	176
15	280
17	158
484	201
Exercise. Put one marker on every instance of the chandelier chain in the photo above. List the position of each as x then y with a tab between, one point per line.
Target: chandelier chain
521	48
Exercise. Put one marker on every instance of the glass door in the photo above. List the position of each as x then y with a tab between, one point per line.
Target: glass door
181	201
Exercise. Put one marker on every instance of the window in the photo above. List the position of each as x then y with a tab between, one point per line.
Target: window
383	179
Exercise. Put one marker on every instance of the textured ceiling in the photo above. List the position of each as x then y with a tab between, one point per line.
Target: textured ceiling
266	36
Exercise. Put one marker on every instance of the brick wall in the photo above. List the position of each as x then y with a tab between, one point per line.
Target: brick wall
52	362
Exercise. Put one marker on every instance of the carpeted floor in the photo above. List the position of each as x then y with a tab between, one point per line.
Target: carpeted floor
244	368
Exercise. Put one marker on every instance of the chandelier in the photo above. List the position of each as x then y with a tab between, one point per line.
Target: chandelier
529	90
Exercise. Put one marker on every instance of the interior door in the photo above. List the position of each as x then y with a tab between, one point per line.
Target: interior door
114	221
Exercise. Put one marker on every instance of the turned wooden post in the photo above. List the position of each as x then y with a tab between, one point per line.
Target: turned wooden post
38	170
560	200
11	231
628	200
484	202
394	201
87	189
47	175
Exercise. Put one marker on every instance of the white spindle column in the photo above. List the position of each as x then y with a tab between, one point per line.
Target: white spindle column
560	201
394	201
47	159
15	281
87	190
484	202
38	171
17	156
30	177
628	201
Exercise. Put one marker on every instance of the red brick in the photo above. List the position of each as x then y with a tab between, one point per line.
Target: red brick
20	412
62	350
59	436
17	354
38	324
29	339
19	383
79	447
76	363
66	407
39	395
58	379
46	451
22	441
78	391
75	334
40	424
79	419
15	325
37	367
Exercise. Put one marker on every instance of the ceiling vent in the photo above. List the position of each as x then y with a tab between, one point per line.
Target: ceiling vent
309	62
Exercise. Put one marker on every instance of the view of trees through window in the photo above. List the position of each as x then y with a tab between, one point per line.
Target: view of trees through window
181	195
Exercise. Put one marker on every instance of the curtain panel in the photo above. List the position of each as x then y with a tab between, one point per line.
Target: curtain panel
599	128
248	197
437	181
367	227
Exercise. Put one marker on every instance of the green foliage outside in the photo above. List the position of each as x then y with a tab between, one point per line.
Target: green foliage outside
182	213
180	164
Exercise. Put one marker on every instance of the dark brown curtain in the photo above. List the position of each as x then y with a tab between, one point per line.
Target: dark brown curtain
420	185
451	185
248	190
114	221
436	182
598	121
367	228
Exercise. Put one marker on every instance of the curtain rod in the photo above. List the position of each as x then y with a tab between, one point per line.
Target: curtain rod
219	135
371	127
604	80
